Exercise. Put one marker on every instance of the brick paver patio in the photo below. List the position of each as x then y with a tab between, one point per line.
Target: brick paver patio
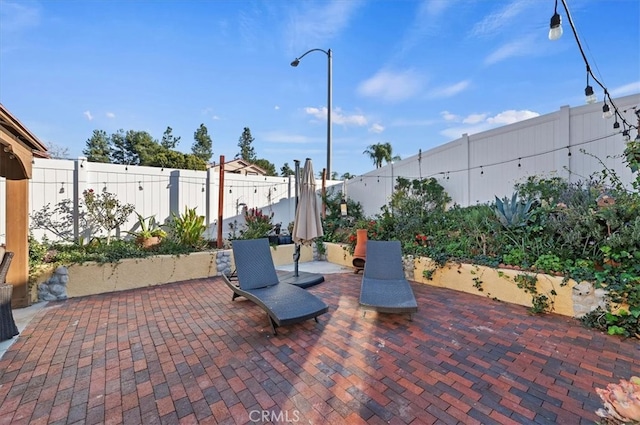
185	353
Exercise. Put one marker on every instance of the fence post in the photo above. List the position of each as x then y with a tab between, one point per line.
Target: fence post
562	137
466	181
174	192
79	185
207	205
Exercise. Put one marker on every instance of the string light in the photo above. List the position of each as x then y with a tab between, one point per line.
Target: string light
61	188
140	186
555	26
590	96
609	108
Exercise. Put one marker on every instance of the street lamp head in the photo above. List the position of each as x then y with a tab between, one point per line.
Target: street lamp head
295	62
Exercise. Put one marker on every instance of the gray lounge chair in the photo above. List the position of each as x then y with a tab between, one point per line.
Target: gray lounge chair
8	327
384	287
257	281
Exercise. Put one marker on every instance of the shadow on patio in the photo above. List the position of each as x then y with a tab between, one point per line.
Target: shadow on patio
185	353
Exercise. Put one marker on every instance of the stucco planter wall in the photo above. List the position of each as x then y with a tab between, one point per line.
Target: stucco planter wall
572	299
94	278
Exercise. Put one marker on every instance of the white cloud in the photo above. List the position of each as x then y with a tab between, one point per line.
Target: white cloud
630	88
520	47
474	118
18	16
391	86
510	116
88	115
436	7
317	24
209	112
337	117
376	128
494	22
276	108
110	115
448	116
451	90
477	123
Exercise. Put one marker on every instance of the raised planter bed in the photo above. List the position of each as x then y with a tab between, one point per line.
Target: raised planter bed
570	300
94	278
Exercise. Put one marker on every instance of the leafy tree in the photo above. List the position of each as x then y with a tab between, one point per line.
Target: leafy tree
143	147
346	176
285	170
246	150
203	145
98	147
381	152
267	166
169	141
122	151
174	159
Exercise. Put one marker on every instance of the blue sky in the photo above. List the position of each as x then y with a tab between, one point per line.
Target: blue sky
416	74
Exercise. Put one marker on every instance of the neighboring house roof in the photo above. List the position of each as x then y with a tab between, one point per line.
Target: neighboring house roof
241	166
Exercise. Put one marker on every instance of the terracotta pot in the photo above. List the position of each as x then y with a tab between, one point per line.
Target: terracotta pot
147	243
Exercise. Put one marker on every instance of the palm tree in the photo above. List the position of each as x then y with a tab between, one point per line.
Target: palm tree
381	152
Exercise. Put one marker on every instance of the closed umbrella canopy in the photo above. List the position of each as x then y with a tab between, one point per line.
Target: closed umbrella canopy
307	225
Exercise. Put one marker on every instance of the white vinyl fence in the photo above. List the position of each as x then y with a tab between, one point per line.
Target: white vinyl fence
156	192
475	168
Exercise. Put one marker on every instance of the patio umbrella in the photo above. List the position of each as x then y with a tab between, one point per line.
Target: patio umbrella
307	225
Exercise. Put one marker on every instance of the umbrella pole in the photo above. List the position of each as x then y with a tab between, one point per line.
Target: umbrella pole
296	252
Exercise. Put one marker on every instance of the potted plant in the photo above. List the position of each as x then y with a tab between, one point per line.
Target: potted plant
150	233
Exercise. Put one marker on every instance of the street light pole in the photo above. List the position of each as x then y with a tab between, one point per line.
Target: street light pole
295	63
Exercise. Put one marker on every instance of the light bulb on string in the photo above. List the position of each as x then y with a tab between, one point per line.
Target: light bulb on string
590	97
555	26
616	124
606	111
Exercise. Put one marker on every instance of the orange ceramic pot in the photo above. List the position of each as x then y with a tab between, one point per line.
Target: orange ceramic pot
360	251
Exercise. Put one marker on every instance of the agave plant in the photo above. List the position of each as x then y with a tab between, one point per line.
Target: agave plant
514	212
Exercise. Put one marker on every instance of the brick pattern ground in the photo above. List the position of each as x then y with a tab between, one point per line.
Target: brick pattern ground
185	353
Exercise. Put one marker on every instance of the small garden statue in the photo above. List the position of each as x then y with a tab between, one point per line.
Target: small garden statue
55	288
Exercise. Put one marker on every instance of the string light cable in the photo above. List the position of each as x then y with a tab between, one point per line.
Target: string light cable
556	29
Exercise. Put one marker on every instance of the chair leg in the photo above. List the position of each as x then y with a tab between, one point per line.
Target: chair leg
273	325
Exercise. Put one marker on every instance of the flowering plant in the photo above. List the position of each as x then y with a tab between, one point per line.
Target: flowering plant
257	224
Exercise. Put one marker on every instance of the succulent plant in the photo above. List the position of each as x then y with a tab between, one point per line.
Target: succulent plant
514	212
621	402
